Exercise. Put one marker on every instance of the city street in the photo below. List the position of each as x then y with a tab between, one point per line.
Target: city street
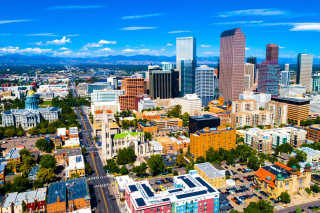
105	201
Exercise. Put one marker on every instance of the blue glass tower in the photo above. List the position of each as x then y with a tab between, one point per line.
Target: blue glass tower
32	101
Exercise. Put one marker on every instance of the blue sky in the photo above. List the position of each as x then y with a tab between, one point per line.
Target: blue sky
101	28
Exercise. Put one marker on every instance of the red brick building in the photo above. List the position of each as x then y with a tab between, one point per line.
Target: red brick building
132	88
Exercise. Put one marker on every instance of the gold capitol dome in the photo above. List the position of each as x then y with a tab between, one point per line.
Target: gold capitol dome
31	92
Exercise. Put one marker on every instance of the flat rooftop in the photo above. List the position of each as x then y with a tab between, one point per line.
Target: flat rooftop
315	127
11	197
209	170
204	117
77	189
41	194
70	152
291	100
57	189
76	162
29	196
73	131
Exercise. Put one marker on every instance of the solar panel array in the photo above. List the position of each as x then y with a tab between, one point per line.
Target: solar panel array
200	180
140	202
133	188
78	159
147	190
166	199
176	190
191	194
188	182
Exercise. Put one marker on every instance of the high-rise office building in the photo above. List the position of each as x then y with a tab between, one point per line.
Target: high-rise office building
160	83
286	68
205	84
316	82
232	59
304	70
246	84
249	70
186	64
167	66
175	83
253	60
132	87
285	78
269	78
272	52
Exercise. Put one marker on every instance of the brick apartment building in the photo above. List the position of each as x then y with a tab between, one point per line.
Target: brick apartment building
132	88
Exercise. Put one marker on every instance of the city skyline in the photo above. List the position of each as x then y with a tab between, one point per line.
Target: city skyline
79	29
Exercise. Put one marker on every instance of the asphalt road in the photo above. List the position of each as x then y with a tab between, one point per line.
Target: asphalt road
302	206
105	203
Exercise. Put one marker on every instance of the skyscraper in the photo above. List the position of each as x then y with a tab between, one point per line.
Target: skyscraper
304	70
186	64
160	83
269	78
167	66
253	60
272	52
285	78
232	59
286	67
205	83
249	70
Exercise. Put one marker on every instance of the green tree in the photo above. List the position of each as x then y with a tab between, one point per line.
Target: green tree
19	133
230	160
74	176
25	169
111	166
84	150
180	161
169	170
29	160
9	133
125	156
37	184
12	165
124	170
20	183
315	188
43	145
285	147
189	167
301	156
298	210
24	153
293	161
88	167
308	190
46	175
285	197
200	159
147	136
96	138
262	206
48	161
254	162
156	164
207	108
175	173
260	126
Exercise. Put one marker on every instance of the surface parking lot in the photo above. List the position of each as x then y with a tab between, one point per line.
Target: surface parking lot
28	142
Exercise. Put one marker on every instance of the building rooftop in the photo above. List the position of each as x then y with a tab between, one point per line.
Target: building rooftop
71	142
34	171
209	170
147	124
73	131
155	144
69	152
41	194
127	134
76	162
57	190
122	180
29	196
291	100
77	189
204	117
11	197
61	132
315	127
13	153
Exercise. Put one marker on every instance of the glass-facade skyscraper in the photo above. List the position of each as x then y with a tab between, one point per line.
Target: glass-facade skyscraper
269	78
285	78
186	63
304	70
272	52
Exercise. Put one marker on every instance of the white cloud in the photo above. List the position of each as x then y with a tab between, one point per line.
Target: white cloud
106	42
202	45
42	34
73	35
14	21
253	12
64	48
58	42
65	53
142	16
281	47
238	22
104	50
162	49
306	27
17	50
99	44
75	7
169	44
138	28
188	31
5	34
142	45
38	43
208	53
247	48
140	52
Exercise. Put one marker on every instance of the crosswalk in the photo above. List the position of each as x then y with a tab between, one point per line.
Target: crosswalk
102	185
96	178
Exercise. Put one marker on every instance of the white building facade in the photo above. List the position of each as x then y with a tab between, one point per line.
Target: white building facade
205	80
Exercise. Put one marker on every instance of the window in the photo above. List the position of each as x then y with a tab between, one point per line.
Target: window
152	210
205	203
162	207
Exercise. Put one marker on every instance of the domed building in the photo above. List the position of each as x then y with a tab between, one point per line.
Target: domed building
31	115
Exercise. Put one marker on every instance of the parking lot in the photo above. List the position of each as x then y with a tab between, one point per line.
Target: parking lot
29	143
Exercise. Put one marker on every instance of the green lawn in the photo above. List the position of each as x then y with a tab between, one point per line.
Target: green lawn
47	103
